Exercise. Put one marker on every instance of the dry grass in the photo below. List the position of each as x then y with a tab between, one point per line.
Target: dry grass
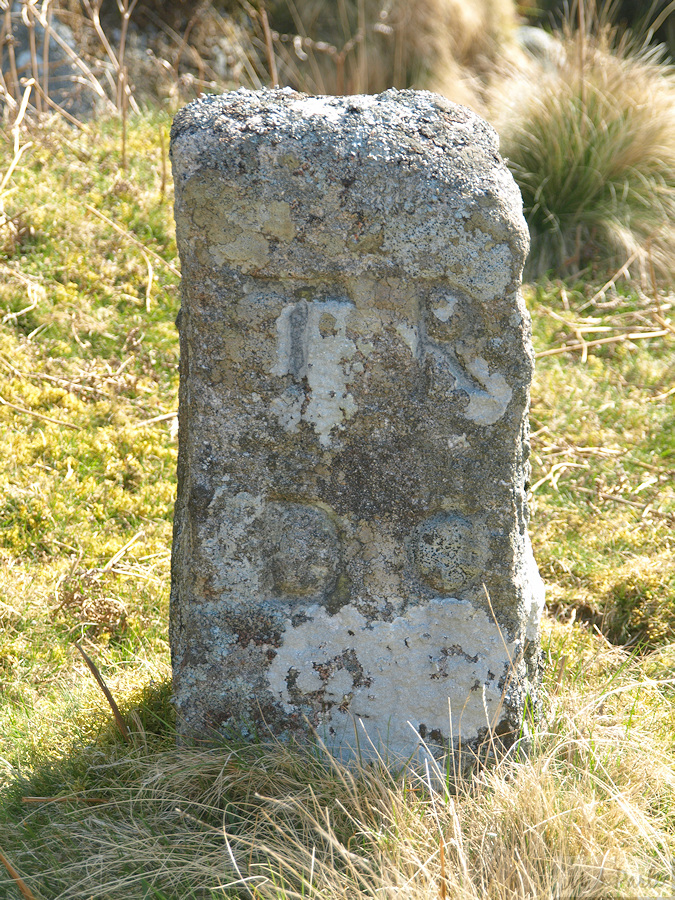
318	46
588	814
368	46
591	144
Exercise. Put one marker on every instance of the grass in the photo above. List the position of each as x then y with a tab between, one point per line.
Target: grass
591	144
588	814
88	356
603	460
88	390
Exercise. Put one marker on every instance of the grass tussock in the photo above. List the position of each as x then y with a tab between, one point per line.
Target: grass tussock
589	813
591	144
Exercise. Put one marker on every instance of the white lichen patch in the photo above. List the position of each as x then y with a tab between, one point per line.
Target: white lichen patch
487	406
445	308
534	591
247	248
319	106
444	654
410	336
313	347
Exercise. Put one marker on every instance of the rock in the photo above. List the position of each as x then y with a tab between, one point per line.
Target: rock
350	536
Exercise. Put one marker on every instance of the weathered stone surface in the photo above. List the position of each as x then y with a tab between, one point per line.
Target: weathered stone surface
351	525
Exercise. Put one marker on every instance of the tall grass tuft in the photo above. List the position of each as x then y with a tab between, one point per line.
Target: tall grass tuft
592	147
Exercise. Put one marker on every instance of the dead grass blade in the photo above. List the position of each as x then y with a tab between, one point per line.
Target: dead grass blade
165	417
623	271
44	87
132	237
67	799
661	396
151	276
9	42
269	47
618	339
19	149
55	379
59	109
444	889
35	415
13	316
120	553
644	508
663	322
124	731
22	887
554	473
162	145
72	56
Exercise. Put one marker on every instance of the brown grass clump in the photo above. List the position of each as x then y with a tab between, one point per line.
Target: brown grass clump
591	143
587	814
136	52
368	46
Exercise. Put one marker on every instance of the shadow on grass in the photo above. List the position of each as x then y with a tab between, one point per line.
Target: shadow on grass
150	718
148	820
140	818
41	809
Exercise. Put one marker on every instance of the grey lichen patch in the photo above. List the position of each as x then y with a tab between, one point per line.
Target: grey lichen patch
227	539
444	306
301	551
355	368
277	223
450	553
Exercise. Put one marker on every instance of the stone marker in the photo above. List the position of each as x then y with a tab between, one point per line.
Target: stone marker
351	525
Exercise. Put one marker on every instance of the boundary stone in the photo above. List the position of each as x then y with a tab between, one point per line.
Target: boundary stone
350	544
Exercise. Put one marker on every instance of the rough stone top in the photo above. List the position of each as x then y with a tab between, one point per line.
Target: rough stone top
402	154
413	125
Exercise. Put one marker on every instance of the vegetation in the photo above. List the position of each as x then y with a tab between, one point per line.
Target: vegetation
591	143
88	361
89	290
589	814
